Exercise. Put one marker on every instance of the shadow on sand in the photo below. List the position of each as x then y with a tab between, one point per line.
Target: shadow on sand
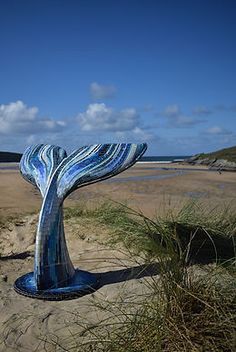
136	272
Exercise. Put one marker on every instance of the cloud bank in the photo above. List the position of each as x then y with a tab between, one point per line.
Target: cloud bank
17	118
99	117
21	125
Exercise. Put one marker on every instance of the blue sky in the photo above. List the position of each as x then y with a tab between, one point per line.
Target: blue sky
82	72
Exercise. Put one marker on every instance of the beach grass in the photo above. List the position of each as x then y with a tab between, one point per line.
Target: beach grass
189	303
192	302
196	232
183	314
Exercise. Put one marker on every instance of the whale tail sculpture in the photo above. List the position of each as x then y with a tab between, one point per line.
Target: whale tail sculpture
57	175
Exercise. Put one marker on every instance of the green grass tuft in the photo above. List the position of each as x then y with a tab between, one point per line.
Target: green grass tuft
189	308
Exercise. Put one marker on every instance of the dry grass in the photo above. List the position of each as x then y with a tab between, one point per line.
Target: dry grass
191	304
190	308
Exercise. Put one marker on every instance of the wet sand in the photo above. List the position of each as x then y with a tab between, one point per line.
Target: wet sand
146	186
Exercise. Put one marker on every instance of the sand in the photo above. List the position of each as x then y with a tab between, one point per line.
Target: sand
146	194
32	325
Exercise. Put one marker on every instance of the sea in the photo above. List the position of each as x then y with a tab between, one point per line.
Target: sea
145	159
163	159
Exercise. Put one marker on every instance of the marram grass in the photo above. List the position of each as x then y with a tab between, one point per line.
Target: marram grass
195	233
191	304
191	307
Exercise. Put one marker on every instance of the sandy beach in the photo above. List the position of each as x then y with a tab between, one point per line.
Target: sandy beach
31	325
146	187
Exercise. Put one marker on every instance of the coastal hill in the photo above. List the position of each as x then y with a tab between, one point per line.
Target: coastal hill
223	159
8	157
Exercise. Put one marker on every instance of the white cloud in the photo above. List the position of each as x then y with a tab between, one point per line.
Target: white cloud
124	125
31	139
99	117
176	119
183	121
172	111
202	110
99	91
216	130
143	134
17	118
21	125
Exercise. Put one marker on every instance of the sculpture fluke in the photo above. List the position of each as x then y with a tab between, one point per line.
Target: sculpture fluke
57	175
95	163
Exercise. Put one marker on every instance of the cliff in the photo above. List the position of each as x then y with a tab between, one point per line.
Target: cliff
8	157
224	159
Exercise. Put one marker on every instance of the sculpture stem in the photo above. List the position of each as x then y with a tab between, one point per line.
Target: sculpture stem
53	267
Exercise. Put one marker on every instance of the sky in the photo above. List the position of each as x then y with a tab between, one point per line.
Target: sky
83	72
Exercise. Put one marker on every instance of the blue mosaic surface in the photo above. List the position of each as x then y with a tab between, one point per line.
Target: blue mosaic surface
80	284
57	175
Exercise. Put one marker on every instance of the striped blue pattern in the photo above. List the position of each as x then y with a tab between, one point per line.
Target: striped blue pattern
39	162
57	175
95	163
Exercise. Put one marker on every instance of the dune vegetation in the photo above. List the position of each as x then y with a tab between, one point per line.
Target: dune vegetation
189	301
228	154
191	305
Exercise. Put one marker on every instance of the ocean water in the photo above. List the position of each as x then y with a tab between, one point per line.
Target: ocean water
164	159
144	159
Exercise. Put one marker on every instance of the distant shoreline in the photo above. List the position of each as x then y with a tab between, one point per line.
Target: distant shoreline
154	165
155	162
145	165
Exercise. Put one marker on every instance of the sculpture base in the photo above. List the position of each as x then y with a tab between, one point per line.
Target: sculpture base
81	284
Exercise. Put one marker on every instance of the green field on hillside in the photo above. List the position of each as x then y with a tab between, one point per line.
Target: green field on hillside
228	154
